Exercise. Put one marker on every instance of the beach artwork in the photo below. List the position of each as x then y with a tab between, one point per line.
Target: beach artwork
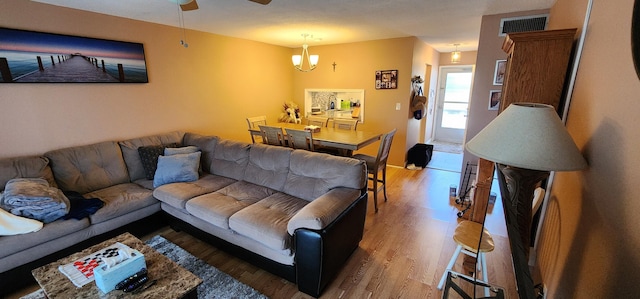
28	57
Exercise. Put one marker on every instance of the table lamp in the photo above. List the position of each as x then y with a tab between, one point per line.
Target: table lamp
526	141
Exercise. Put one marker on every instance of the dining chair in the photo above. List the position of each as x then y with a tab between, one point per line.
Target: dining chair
300	139
378	164
272	135
345	124
319	121
253	123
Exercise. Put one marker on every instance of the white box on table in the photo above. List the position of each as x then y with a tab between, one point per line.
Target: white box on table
312	129
107	279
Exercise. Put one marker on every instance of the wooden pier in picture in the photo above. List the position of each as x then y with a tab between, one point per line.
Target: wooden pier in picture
73	68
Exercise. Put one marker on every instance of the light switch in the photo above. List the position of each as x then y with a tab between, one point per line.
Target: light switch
397	106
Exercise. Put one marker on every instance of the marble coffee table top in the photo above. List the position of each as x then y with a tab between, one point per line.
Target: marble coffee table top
173	281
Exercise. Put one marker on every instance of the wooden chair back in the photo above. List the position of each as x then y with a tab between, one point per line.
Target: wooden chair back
300	139
272	135
383	150
345	124
319	121
253	123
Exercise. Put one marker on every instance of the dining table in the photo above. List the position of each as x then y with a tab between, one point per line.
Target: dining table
335	138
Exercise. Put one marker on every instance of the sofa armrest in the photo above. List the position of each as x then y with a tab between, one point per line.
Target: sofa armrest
320	254
323	210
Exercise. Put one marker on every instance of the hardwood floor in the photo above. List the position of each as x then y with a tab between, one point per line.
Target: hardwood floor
405	249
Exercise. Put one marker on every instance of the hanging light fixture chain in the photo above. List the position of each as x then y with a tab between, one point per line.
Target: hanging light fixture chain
183	39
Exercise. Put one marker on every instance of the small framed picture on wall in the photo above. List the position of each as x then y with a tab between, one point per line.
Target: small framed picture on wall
494	99
387	79
498	75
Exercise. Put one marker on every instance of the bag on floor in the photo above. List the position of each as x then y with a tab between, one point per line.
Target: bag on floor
420	154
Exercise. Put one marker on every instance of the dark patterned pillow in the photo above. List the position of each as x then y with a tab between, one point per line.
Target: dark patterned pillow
149	158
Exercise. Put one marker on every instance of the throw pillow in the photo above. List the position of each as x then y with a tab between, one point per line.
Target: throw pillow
180	150
183	150
149	158
177	168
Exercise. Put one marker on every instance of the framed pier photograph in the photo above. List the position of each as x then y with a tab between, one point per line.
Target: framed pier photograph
36	57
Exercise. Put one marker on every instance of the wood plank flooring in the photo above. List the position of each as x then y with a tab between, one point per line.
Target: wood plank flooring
405	249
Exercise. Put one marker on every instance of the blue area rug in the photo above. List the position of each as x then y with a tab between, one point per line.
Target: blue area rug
215	283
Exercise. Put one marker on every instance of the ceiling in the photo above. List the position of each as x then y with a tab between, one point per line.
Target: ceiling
439	23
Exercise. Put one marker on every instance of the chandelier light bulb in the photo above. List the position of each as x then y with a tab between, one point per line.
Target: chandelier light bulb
298	60
455	55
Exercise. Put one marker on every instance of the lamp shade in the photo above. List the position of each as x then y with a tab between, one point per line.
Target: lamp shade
528	135
297	60
313	59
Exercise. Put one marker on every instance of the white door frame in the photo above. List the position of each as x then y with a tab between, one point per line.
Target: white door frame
440	97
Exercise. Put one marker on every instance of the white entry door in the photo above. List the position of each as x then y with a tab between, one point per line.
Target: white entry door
453	103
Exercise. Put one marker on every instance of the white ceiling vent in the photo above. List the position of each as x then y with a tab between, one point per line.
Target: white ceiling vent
524	23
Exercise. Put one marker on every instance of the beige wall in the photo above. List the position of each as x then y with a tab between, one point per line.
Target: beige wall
489	51
425	65
466	58
211	87
590	240
356	64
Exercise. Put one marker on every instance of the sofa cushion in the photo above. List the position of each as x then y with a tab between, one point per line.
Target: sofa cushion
230	159
132	157
25	167
313	174
119	200
147	184
268	165
88	168
206	144
178	194
149	158
217	207
266	221
323	210
177	168
50	231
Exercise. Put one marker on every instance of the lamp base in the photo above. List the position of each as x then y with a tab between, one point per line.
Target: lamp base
520	184
517	186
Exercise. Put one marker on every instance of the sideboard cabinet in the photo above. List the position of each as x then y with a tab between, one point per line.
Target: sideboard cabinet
537	64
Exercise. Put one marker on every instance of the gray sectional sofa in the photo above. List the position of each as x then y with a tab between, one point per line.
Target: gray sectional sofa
295	213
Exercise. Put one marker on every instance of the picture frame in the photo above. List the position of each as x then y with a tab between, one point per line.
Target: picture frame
387	79
498	74
494	99
40	57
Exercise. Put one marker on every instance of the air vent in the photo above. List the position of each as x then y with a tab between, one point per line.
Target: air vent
521	24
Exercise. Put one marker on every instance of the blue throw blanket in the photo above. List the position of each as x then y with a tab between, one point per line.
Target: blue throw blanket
81	207
34	198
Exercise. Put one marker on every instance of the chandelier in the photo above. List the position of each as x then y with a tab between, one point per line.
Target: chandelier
455	55
298	60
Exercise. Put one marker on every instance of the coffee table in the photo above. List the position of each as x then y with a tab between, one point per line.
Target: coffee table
173	281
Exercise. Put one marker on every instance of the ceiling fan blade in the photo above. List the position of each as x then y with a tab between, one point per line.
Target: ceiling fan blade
192	5
263	2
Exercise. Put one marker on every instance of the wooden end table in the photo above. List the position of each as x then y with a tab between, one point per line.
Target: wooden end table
173	281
